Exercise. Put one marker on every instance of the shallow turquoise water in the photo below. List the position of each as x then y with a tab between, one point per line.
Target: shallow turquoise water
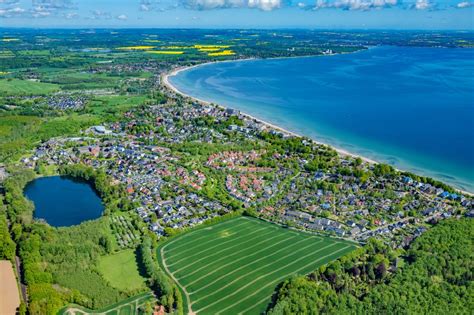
409	107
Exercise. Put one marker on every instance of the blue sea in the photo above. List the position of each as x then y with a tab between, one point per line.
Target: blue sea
409	107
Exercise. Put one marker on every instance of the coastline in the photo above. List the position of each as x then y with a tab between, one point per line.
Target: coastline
166	82
164	78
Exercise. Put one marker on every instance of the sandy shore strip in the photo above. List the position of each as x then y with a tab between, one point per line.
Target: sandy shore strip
165	80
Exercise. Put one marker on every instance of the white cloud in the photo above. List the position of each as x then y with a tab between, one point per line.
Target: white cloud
71	15
98	14
122	17
40	14
159	5
265	5
464	4
17	10
43	8
355	4
11	12
423	5
10	2
37	9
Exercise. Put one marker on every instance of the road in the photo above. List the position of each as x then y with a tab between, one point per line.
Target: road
23	290
425	219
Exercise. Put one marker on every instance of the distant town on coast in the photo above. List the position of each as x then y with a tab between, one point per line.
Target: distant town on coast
236	157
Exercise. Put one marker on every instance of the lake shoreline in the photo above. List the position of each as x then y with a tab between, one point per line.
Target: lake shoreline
50	195
165	80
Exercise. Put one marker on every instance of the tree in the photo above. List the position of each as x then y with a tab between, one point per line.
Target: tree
436	278
7	246
107	243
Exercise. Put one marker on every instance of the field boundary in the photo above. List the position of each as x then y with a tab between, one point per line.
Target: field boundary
74	308
239	254
161	259
282	278
182	288
258	278
243	223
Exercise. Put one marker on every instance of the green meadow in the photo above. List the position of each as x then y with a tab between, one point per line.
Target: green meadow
121	270
26	87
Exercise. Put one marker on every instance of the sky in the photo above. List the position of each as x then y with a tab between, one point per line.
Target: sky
314	14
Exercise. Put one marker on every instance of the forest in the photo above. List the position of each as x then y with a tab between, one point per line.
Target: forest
162	285
434	276
60	264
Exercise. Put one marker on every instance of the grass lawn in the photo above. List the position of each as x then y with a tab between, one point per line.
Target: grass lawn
114	104
128	306
25	87
121	270
234	267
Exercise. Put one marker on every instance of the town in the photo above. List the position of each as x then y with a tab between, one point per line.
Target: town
120	194
345	197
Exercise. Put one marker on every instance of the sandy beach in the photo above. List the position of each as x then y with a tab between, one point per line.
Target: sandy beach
165	80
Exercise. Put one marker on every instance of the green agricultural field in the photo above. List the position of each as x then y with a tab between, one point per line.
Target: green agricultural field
233	267
25	87
112	105
130	306
121	270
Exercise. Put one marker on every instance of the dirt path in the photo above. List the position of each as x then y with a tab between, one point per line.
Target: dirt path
188	300
24	292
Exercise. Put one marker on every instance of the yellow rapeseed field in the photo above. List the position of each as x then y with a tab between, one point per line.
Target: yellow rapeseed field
211	46
209	49
165	52
221	53
178	47
136	47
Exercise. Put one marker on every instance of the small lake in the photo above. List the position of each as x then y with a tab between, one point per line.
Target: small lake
64	201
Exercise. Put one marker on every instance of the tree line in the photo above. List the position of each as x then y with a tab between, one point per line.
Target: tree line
167	291
434	276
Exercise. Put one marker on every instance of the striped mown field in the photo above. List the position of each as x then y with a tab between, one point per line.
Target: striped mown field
233	267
